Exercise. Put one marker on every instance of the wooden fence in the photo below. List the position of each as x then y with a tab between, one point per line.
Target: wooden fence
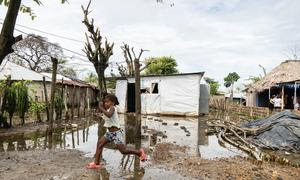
221	104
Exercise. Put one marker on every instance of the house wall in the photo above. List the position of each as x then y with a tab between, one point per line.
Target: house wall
251	99
36	88
121	93
177	95
180	95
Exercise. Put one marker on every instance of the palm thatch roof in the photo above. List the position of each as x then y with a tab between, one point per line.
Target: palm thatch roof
287	71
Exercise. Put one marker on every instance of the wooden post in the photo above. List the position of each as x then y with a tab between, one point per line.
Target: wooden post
53	86
295	94
38	114
46	99
88	99
66	99
282	97
137	97
84	102
62	97
78	97
73	99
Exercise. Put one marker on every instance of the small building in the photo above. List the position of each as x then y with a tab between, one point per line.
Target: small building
283	81
83	91
19	73
176	94
238	98
36	86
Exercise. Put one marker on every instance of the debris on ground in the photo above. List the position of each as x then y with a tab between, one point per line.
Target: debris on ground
221	168
280	131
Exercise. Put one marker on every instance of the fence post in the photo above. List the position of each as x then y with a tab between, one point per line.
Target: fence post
251	111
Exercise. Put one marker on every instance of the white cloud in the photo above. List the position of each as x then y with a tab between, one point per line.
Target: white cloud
215	36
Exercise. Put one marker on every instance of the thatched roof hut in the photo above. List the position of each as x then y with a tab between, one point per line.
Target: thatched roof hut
287	71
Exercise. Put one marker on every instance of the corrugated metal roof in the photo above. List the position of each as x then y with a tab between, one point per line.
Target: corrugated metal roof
161	75
18	72
58	76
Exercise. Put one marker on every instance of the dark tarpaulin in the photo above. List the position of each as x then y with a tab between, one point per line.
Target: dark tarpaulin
283	132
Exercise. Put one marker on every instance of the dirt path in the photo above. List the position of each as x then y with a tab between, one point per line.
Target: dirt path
49	164
70	164
173	157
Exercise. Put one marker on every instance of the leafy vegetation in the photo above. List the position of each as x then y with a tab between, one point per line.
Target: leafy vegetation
10	102
161	66
22	99
214	85
229	81
254	79
26	9
58	105
36	108
91	78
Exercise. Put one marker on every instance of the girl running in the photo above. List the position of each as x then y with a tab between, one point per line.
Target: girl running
114	133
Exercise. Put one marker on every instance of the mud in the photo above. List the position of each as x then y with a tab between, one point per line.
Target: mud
172	156
39	164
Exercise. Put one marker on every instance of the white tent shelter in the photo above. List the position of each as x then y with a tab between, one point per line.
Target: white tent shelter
177	94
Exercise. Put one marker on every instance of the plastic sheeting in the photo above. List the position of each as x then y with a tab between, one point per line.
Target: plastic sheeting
283	134
121	93
177	95
180	95
150	103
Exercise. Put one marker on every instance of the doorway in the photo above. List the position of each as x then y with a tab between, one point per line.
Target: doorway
131	97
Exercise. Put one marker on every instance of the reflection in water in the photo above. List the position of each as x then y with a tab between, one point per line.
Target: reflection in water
77	136
155	130
73	140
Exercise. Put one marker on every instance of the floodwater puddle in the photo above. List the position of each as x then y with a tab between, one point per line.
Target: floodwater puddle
189	132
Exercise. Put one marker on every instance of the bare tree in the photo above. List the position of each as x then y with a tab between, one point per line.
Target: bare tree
68	72
97	52
130	57
264	69
293	52
35	52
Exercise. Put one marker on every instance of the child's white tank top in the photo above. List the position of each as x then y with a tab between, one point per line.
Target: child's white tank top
113	120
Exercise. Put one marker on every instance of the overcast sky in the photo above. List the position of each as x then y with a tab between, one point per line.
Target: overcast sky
215	36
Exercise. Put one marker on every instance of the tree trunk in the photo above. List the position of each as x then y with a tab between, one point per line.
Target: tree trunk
10	121
46	99
78	97
6	37
73	102
62	98
84	102
231	94
102	84
54	69
23	120
137	98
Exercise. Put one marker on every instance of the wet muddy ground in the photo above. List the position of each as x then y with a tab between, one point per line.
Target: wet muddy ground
178	148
